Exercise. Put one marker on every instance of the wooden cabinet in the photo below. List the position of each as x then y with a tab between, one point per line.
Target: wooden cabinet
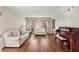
75	40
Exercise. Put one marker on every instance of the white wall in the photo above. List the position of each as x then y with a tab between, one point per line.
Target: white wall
10	19
69	19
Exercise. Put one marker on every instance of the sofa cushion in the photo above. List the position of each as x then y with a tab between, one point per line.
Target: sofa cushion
22	30
7	33
12	32
15	33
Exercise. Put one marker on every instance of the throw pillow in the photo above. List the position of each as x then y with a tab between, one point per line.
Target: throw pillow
22	30
16	33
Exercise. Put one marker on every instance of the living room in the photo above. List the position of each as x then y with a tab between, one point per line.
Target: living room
35	28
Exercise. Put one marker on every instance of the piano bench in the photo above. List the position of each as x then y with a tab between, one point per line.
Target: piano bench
63	41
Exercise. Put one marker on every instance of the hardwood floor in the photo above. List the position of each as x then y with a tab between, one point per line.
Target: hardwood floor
38	43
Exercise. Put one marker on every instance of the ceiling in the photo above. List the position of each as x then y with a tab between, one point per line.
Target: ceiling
36	10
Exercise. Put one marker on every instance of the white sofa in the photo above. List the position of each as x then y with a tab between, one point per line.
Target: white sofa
15	41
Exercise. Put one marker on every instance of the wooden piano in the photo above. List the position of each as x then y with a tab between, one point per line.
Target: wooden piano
72	36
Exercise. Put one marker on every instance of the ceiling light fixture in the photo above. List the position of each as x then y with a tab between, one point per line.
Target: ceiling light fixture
69	10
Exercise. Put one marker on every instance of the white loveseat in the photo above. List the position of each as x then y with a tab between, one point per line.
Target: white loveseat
15	41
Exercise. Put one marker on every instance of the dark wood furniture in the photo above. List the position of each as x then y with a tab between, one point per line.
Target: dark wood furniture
63	41
64	37
74	40
72	36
